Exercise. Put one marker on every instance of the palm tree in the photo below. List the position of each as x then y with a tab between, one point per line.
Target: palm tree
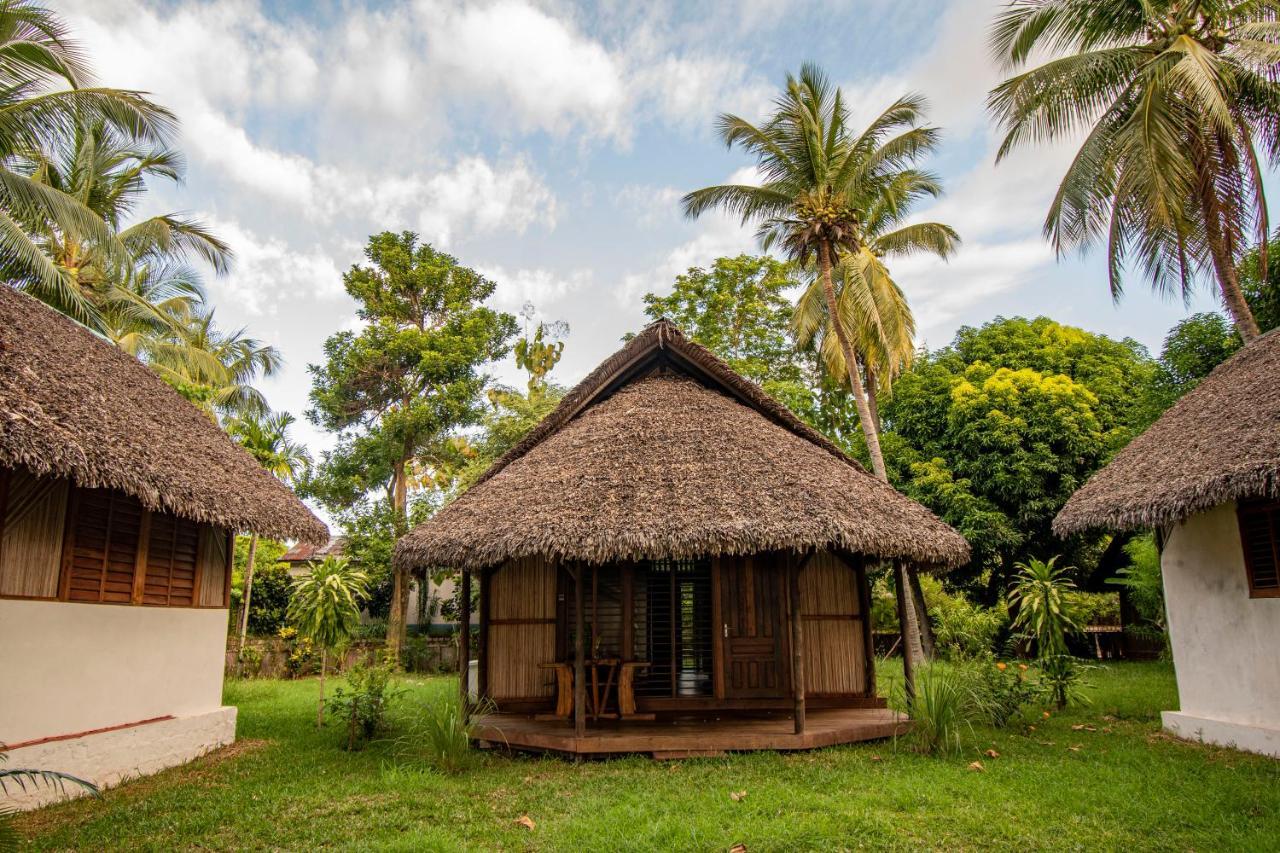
267	440
325	608
823	190
37	60
1172	97
107	172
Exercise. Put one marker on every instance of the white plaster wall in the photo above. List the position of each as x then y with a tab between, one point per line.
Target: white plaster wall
70	668
109	758
1225	643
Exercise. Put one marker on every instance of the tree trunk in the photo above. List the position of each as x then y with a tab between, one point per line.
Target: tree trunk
851	363
320	706
923	626
248	594
873	402
399	577
1223	263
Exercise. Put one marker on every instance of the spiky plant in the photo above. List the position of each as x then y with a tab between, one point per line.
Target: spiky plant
325	609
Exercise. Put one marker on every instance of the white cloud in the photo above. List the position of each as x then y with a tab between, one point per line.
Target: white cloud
269	273
542	287
650	204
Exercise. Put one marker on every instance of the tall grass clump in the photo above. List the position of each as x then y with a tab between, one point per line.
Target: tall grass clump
441	736
945	706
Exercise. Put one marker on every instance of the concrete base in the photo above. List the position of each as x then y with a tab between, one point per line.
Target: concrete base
1243	736
110	757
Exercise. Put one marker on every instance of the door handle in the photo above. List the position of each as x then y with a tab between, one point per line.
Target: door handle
726	630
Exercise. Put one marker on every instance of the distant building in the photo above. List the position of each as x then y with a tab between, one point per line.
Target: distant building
1206	477
119	503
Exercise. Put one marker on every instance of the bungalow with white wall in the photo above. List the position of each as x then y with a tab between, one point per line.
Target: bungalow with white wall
119	504
1206	477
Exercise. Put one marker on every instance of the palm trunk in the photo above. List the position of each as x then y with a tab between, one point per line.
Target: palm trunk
851	364
320	706
399	577
248	593
1223	263
873	402
924	628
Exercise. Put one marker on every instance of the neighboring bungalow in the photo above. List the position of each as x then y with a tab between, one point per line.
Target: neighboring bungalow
1206	476
119	504
303	554
675	557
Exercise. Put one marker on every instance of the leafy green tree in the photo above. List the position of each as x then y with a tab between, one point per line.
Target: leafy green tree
268	612
396	389
45	98
1192	349
995	432
1172	98
1261	284
325	608
827	193
267	441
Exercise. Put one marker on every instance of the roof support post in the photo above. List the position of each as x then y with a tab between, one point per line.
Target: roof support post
908	668
464	646
482	676
579	661
797	645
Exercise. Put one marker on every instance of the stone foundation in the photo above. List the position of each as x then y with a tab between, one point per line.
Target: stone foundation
110	757
1223	733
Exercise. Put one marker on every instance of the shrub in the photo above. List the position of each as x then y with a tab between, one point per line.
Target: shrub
299	652
269	604
441	736
362	704
961	629
1002	690
944	706
250	661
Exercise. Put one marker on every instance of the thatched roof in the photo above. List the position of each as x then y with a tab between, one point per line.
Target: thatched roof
1219	443
307	552
74	406
664	451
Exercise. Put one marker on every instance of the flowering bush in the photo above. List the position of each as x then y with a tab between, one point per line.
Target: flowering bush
1003	690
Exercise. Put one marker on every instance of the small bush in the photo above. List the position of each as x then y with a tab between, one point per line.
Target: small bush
441	736
961	629
362	703
300	654
250	660
944	706
1062	677
1002	690
269	603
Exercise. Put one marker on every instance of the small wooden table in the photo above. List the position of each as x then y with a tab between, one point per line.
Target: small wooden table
602	675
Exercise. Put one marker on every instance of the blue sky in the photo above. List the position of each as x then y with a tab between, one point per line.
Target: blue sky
548	143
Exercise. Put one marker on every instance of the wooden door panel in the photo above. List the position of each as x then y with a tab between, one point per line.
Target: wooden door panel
753	633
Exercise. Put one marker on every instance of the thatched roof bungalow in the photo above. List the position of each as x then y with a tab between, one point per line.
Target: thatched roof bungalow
1206	476
705	548
114	490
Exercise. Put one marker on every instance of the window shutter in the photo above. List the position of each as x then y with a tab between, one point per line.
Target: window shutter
103	547
1260	536
171	561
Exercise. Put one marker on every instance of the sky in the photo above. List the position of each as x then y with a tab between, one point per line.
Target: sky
547	144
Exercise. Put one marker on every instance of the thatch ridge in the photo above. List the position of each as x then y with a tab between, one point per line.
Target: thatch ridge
671	462
74	406
1219	443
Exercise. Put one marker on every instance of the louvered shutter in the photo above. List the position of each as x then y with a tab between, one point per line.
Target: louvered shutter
171	561
1260	536
102	547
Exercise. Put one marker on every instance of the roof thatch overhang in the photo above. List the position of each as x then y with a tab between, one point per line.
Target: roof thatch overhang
664	451
1219	443
74	406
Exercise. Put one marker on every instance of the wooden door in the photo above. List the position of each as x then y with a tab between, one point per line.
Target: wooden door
754	630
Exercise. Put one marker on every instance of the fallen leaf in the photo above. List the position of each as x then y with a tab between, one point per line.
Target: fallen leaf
977	766
738	848
1075	748
737	796
1106	730
1110	719
991	753
526	821
876	758
1081	727
1031	728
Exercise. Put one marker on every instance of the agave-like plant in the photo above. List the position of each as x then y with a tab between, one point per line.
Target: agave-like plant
1041	609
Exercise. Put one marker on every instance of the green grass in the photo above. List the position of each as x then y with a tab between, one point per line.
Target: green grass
285	785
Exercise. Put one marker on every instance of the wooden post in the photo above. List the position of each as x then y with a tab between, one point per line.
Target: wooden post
482	677
464	644
579	662
908	674
868	638
797	647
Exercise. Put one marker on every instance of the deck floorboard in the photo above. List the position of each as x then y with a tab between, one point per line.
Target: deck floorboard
692	736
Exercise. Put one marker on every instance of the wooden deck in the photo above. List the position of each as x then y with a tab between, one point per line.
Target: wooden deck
689	737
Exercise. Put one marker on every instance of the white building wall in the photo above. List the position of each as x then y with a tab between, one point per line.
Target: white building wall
1225	644
71	668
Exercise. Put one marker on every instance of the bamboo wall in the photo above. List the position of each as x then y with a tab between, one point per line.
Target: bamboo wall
522	630
834	655
35	510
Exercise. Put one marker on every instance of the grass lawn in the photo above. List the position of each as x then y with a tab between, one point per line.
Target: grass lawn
285	785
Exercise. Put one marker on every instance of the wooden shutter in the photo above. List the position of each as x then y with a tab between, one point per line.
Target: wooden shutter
171	561
1260	536
101	552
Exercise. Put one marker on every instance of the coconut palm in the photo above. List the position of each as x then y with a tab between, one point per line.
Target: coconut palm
107	172
44	97
1173	98
823	192
325	608
267	440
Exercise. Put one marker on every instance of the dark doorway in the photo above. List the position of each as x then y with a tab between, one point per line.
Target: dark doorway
672	628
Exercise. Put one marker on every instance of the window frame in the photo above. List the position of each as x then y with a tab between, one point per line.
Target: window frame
1247	512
